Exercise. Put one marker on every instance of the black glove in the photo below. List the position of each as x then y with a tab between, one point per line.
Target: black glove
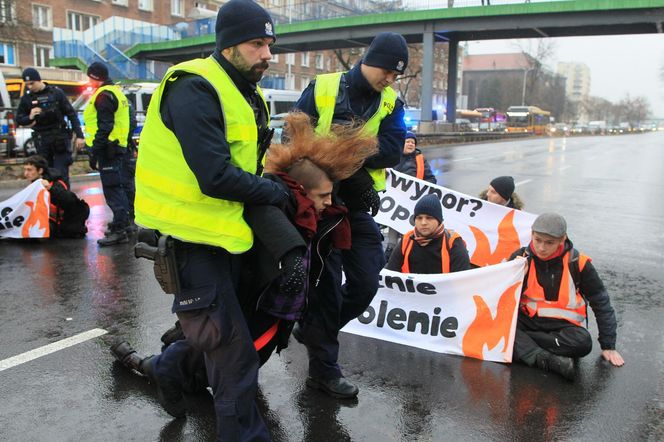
371	201
294	273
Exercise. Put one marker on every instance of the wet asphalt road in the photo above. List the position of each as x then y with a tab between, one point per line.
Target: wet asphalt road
608	188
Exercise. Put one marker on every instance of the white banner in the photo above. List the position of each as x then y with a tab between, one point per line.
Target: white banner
491	231
25	215
471	313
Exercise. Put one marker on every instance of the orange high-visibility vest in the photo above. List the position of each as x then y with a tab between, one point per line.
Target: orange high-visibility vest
419	163
54	212
407	246
569	306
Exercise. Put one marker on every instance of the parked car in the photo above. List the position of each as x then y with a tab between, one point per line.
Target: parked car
25	146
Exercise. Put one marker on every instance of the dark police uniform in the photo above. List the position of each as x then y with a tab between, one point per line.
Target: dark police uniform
337	305
51	132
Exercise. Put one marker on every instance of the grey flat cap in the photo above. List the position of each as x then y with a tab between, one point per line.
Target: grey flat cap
550	224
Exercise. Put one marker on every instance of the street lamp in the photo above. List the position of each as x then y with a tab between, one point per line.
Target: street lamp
523	90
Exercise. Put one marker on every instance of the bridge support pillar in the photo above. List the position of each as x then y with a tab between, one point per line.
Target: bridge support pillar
452	63
426	97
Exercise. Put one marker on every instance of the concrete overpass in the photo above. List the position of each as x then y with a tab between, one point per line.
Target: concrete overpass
450	25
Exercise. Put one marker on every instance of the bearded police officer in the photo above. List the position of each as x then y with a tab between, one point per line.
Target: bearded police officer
107	125
362	94
44	108
195	172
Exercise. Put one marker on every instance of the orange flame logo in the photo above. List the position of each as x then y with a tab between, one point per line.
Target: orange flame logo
508	243
36	226
487	330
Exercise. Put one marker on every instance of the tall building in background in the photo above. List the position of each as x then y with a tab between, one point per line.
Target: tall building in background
578	80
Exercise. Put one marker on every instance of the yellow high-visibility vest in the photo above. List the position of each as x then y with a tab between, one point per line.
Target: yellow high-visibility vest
326	91
120	132
168	197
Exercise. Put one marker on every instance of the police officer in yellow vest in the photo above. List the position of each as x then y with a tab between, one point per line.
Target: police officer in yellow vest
195	173
363	94
106	120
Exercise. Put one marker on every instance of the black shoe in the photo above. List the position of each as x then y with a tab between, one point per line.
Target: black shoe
169	392
339	388
562	365
127	356
116	237
131	229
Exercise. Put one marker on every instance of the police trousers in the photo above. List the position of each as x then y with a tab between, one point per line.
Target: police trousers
556	336
332	305
213	323
110	173
56	148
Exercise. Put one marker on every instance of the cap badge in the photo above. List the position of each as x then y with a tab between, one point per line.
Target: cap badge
268	28
400	65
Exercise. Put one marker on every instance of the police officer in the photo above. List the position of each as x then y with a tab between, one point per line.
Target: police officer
44	108
195	172
361	94
107	124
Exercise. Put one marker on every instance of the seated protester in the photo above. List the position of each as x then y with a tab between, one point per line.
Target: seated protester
552	320
291	243
68	213
501	191
413	162
430	247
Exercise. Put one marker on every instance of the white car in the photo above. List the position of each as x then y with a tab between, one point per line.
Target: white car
25	146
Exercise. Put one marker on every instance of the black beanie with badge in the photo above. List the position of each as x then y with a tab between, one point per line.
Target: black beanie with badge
98	71
30	74
242	20
430	205
504	185
388	50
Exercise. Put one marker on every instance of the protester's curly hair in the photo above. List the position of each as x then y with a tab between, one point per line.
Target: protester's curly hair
339	154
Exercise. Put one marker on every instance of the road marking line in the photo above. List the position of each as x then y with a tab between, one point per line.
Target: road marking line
519	183
564	168
463	159
50	348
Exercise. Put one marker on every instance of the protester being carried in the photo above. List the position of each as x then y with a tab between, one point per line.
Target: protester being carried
501	191
68	213
430	247
291	243
552	321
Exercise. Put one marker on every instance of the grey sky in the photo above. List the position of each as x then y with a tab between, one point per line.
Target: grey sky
619	65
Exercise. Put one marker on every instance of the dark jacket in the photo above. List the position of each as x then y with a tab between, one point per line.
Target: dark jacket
591	287
357	102
408	165
55	107
190	108
70	214
275	236
428	259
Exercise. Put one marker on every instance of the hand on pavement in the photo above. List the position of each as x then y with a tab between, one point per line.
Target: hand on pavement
613	357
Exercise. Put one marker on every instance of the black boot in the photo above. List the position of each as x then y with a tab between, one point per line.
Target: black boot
562	365
128	357
117	236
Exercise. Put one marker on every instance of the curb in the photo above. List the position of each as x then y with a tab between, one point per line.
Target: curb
19	184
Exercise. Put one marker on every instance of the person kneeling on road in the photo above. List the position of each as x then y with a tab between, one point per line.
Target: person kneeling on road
552	312
430	247
67	213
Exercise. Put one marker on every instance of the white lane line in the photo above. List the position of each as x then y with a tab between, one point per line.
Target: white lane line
564	168
50	348
463	159
519	183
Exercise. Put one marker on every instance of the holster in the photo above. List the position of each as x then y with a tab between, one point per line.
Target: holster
111	150
160	249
